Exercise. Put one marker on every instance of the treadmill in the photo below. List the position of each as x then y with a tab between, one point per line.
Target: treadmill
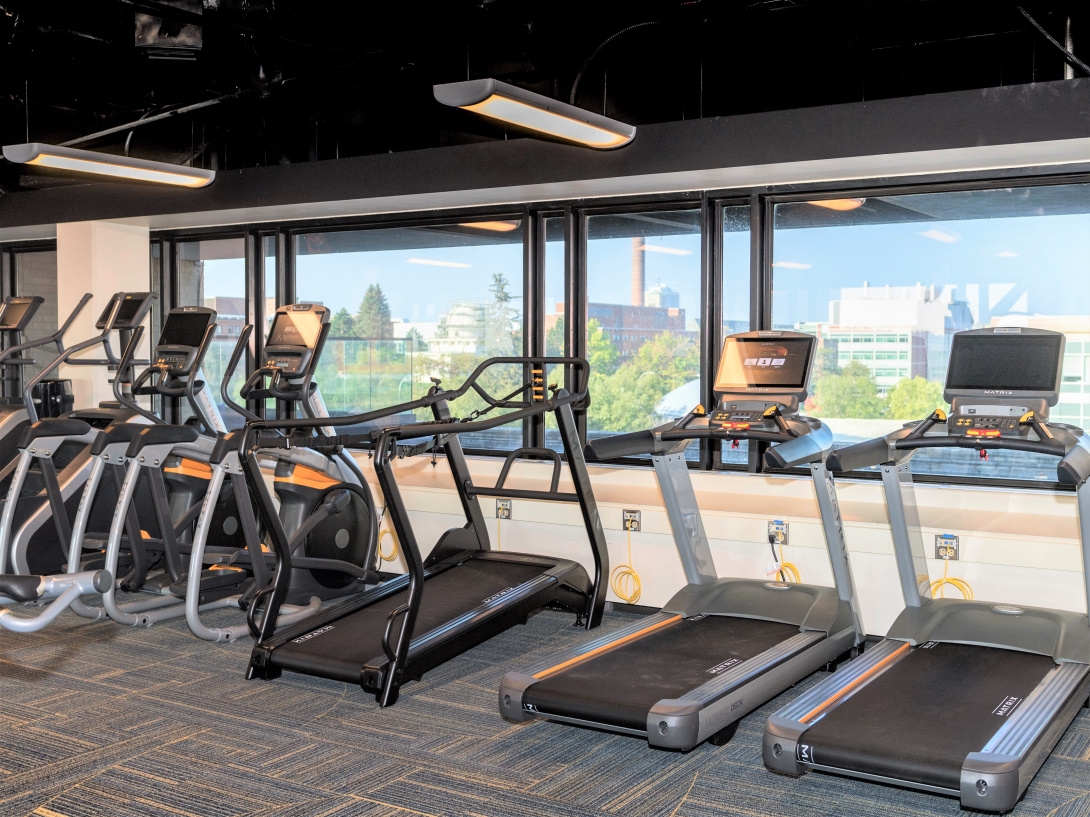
962	698
464	593
720	647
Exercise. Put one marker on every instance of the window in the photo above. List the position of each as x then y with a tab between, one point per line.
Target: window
555	312
643	319
907	272
414	303
36	274
736	301
212	273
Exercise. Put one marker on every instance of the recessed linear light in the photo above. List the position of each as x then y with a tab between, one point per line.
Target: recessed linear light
106	164
664	250
840	205
431	262
494	226
791	265
939	235
1006	254
516	106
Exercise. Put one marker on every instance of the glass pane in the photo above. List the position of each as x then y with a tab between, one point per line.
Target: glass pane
414	303
213	274
884	282
643	319
36	274
555	313
268	244
736	276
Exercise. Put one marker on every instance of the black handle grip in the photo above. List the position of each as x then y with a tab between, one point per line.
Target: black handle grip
1074	468
860	455
633	444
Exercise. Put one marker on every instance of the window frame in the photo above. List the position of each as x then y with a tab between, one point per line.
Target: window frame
576	212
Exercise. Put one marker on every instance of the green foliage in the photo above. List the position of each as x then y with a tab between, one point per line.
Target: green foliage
554	339
342	325
373	317
826	362
915	398
850	393
418	342
625	400
601	353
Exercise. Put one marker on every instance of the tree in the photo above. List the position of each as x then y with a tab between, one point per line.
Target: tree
912	399
342	325
626	400
826	362
419	344
373	316
851	393
601	353
554	338
504	325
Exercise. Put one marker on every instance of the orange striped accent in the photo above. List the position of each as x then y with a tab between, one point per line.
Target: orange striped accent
308	478
579	659
885	662
191	468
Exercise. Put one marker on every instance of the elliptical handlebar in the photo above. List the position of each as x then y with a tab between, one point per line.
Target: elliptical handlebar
126	361
57	337
229	372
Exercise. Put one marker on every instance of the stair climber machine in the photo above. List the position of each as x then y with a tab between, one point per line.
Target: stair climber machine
53	464
464	592
963	698
721	647
325	504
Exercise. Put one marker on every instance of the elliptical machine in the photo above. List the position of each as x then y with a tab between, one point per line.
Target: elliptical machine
325	504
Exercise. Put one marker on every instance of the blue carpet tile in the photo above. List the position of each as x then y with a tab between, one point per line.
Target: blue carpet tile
97	719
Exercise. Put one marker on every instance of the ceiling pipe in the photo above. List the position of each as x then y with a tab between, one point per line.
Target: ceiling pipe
129	126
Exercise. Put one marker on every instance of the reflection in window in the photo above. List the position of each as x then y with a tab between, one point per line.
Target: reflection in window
884	282
415	303
643	319
36	274
212	273
736	276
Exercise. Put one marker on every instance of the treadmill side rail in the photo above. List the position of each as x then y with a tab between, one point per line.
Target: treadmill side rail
994	778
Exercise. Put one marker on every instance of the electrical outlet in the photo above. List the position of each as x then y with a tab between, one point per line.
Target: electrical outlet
503	508
777	532
631	520
946	547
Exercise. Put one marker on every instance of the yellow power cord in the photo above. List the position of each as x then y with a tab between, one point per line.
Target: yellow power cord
788	567
382	557
625	581
938	586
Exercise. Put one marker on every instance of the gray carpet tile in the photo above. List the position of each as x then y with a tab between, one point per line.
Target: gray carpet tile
97	719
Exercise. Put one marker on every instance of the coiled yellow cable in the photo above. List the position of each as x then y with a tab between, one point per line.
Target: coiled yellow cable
382	557
788	568
625	581
938	585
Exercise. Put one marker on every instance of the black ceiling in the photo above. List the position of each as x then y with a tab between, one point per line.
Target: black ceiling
307	80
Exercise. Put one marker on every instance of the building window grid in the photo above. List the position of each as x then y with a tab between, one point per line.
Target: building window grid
1072	385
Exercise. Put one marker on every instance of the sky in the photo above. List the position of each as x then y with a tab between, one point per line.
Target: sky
1047	259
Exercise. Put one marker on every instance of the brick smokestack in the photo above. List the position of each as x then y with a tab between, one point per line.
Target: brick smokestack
637	271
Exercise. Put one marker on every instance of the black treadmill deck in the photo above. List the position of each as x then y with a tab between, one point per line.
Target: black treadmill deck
340	648
620	685
919	719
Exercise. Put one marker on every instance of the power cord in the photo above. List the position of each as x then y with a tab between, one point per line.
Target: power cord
625	581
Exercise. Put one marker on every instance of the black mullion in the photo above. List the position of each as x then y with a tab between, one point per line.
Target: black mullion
168	298
533	300
255	306
760	283
575	299
285	292
711	319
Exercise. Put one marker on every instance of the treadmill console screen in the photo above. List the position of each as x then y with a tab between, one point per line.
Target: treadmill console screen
773	364
1004	362
185	329
295	329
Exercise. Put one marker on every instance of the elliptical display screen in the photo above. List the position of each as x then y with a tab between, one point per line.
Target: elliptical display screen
295	329
11	314
184	329
767	363
130	309
1008	362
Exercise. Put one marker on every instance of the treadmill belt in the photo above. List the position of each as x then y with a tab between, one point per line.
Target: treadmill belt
919	719
340	649
620	686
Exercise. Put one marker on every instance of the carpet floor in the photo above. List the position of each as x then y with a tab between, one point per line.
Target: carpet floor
97	719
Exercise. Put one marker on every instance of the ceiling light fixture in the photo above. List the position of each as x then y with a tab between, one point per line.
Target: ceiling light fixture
840	205
664	250
432	262
494	226
516	106
106	164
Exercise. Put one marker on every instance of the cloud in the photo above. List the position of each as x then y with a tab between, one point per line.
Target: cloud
791	265
665	250
941	235
431	262
1006	254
